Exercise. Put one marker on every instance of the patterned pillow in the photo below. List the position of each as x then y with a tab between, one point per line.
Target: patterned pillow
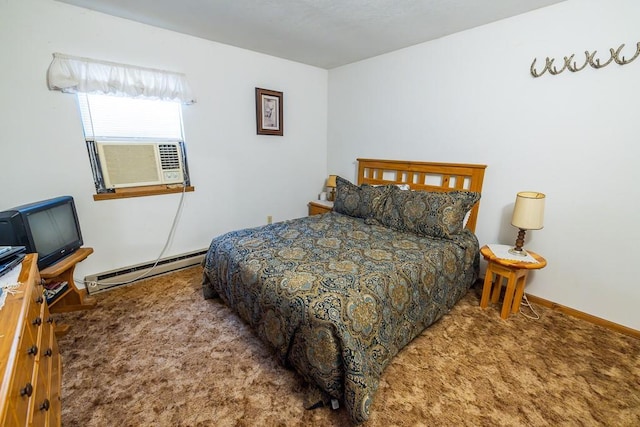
358	201
427	213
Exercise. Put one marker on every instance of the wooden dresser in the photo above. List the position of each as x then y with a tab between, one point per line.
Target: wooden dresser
29	358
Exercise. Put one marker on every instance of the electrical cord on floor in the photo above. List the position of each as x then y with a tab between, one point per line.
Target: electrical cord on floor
525	303
164	249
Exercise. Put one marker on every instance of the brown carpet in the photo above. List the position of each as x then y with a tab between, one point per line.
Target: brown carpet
157	354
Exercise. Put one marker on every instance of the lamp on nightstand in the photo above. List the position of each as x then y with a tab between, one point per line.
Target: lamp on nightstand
528	214
331	186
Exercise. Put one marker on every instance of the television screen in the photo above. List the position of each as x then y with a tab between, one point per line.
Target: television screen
53	228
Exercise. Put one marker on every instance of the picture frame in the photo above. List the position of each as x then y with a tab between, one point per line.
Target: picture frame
269	117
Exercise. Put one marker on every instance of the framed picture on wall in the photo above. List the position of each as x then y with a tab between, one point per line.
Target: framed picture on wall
269	112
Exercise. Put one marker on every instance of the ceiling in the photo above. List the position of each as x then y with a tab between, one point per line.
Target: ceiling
323	33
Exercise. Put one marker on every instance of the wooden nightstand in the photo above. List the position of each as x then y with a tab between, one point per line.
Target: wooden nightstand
515	273
317	207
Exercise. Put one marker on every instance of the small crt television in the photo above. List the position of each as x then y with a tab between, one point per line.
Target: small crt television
48	227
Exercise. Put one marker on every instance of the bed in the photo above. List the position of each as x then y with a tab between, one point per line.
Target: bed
336	296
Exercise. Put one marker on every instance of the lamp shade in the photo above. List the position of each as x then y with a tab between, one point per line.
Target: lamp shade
331	181
528	212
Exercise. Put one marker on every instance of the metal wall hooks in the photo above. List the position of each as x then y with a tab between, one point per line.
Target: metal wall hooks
590	59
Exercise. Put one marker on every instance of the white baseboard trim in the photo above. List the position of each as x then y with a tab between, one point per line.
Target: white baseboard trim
106	280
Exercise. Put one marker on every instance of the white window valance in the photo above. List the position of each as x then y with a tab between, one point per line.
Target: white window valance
73	74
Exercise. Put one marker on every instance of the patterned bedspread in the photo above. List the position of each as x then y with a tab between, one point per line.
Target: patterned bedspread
337	298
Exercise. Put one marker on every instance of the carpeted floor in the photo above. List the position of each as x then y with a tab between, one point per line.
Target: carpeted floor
157	354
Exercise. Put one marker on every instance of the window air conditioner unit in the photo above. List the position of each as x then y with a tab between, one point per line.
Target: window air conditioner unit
127	164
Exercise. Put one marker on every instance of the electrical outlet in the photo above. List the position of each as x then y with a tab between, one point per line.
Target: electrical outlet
269	219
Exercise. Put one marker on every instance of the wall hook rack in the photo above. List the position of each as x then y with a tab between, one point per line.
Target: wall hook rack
590	59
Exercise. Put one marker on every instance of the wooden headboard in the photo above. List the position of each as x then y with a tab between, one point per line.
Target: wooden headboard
430	176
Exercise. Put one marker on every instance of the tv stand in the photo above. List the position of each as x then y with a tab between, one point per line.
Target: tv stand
72	299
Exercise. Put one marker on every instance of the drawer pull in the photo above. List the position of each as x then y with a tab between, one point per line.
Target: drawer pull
45	405
48	353
26	390
33	350
50	319
37	321
40	299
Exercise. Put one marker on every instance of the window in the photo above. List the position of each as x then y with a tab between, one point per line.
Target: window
132	120
136	146
105	116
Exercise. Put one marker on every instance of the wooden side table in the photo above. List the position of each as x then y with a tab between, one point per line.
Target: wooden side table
514	272
318	207
73	298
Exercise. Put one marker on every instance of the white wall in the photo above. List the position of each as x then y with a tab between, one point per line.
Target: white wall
240	177
470	98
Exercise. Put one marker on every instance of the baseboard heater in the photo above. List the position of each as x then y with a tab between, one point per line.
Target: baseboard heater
123	276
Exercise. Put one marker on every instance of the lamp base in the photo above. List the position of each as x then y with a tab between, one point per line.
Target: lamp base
518	252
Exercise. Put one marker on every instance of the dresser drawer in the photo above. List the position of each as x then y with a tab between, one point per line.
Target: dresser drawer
319	207
41	403
54	364
47	401
23	387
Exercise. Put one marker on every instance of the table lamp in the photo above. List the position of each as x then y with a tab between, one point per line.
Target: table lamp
331	186
528	214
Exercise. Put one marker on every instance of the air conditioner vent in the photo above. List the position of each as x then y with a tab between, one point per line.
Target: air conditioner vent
131	164
169	157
